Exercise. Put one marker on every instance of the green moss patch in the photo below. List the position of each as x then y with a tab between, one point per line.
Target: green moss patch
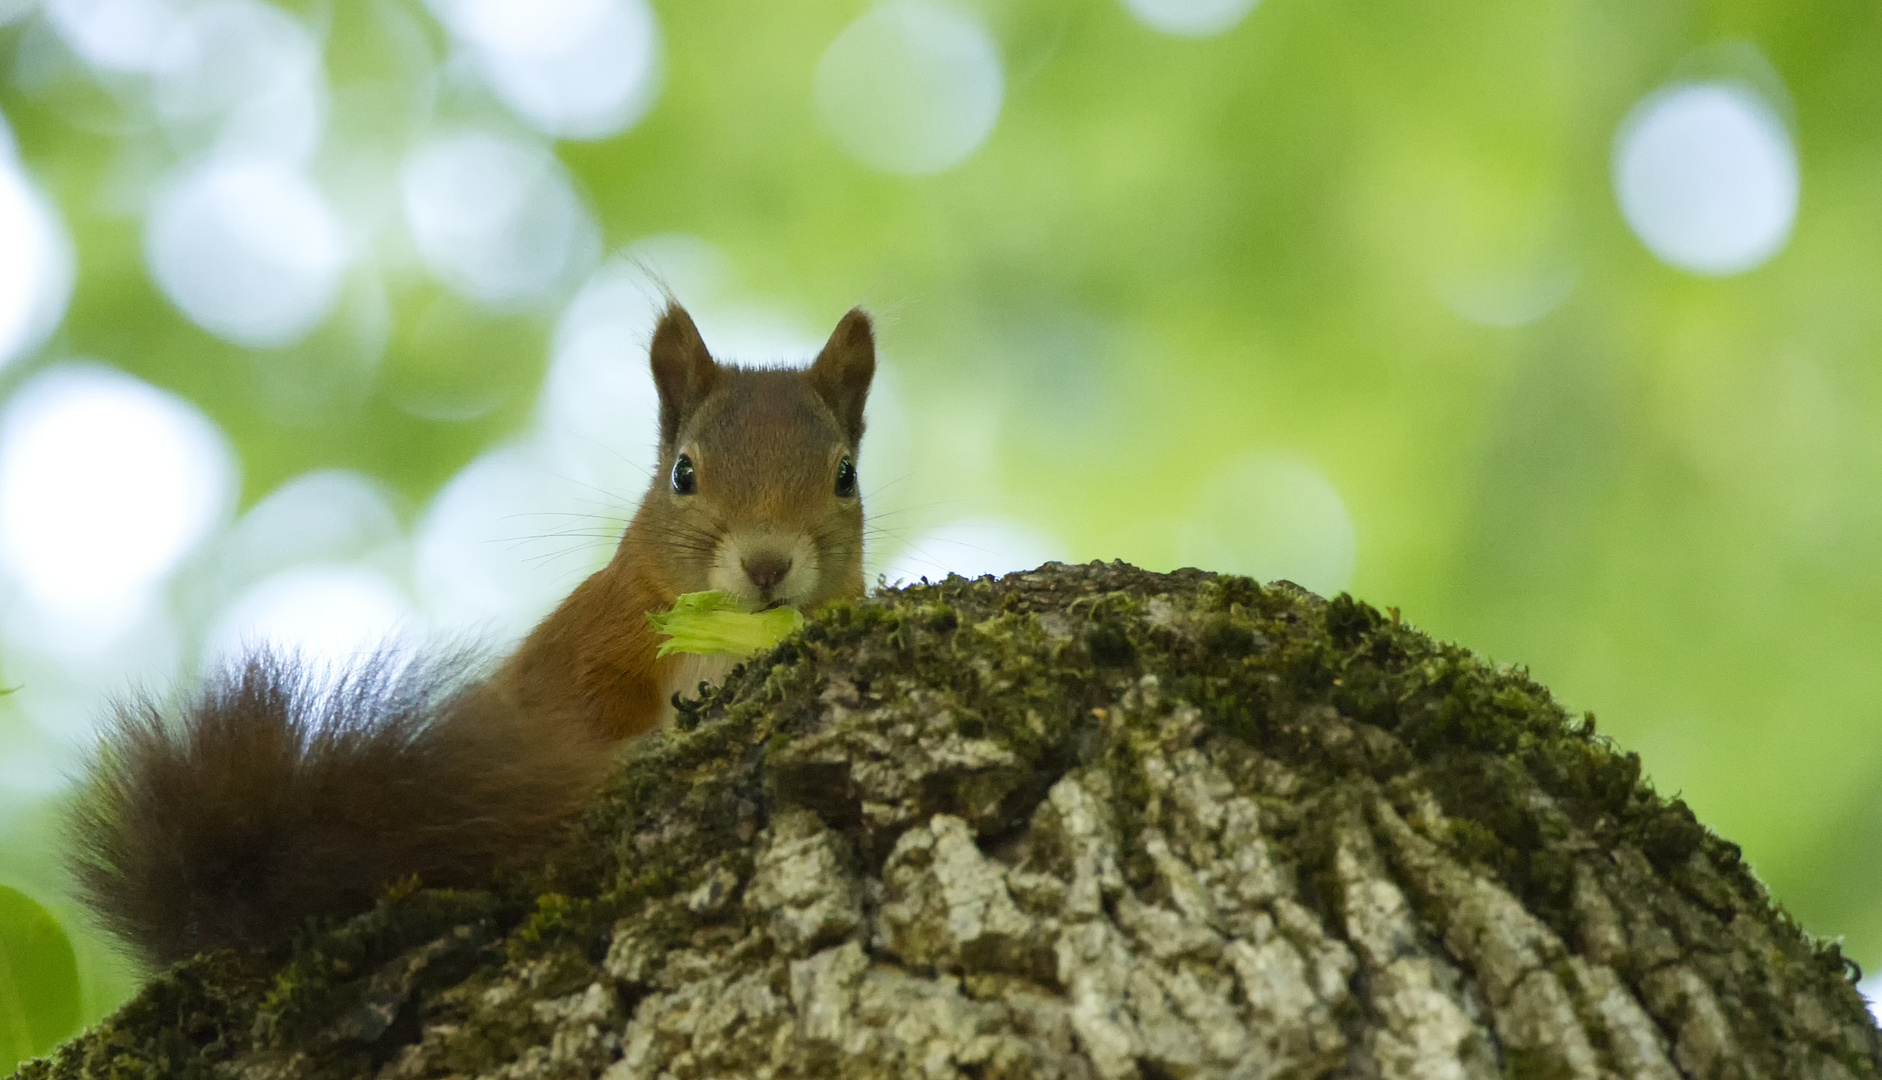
972	699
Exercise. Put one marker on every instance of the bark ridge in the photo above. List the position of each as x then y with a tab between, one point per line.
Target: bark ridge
1086	822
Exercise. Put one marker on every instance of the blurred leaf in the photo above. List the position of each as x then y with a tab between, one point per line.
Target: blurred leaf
39	996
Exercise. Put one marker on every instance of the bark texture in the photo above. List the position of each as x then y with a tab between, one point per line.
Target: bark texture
1086	823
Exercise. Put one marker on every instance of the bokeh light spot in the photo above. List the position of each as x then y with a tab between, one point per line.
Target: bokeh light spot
106	484
325	516
35	261
598	407
1516	297
1270	516
506	539
248	249
115	35
326	613
574	69
1190	18
911	87
496	218
1707	177
972	547
246	76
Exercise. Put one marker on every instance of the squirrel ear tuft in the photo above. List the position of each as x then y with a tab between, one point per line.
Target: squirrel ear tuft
683	371
843	370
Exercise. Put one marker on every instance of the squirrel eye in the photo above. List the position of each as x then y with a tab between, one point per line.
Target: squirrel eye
684	482
845	478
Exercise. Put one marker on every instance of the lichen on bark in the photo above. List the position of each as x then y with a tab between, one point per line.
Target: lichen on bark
1087	823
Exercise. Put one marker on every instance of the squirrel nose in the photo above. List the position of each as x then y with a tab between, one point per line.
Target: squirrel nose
766	570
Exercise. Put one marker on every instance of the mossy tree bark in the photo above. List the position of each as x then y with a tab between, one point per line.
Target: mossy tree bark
1087	822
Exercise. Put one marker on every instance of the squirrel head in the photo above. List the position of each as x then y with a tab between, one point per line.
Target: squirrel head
756	495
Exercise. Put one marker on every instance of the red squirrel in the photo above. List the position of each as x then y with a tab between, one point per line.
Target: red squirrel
275	795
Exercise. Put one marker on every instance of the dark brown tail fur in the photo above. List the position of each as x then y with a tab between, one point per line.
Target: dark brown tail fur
282	795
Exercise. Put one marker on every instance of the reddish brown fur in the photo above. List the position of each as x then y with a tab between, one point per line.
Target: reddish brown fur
766	443
275	798
285	798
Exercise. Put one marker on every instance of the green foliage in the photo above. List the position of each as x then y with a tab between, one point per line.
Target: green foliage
39	994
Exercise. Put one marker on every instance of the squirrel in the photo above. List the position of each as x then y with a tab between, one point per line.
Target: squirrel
275	794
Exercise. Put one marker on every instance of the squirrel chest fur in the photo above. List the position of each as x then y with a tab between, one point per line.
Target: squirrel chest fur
273	794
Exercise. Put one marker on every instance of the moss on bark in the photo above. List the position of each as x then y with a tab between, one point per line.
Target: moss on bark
1085	822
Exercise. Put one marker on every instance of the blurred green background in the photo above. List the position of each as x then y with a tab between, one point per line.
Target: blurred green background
1552	323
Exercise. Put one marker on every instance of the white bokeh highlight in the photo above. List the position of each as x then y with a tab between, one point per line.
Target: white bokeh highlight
63	666
505	540
106	485
1190	18
598	409
248	249
1271	516
122	36
972	547
318	567
245	77
1707	177
496	218
572	69
328	515
911	87
36	264
326	613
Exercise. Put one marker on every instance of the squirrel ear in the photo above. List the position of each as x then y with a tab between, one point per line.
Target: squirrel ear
683	371
843	370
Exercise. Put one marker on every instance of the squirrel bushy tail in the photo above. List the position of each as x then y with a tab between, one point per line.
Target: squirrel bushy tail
279	794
